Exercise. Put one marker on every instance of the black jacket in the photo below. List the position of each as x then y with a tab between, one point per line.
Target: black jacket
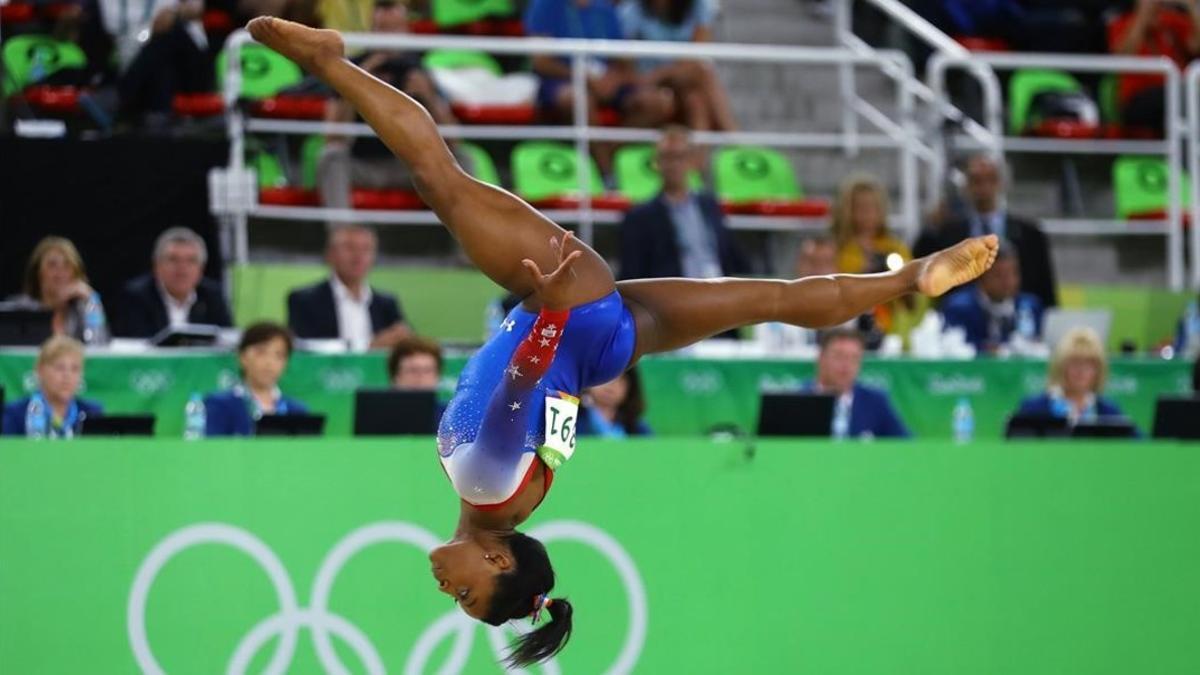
143	313
312	313
1031	244
650	246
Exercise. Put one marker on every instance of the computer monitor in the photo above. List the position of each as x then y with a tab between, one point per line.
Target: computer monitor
117	425
290	425
1177	417
395	412
1059	321
1105	427
796	414
187	335
24	327
1037	426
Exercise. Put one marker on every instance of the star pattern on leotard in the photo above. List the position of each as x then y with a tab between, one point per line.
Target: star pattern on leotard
514	406
534	359
545	342
514	372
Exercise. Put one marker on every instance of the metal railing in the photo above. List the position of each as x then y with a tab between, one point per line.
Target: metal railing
1170	147
1192	96
893	134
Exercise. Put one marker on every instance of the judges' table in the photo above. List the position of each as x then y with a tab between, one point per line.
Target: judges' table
680	557
685	395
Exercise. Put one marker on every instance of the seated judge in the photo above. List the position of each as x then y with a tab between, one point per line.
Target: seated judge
59	369
175	293
263	357
993	309
415	364
859	411
1078	370
614	409
345	306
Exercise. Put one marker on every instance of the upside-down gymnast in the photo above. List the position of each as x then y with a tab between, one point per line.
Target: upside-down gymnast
509	427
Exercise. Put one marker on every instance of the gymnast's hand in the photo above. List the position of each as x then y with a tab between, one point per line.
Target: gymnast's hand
554	289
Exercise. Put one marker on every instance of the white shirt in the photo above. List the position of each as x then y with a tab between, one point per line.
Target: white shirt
354	316
177	312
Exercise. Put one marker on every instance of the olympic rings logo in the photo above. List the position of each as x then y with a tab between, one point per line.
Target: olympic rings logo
291	617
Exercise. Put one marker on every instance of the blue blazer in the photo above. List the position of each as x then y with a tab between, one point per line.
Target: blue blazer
872	412
650	245
13	423
1042	405
963	309
227	414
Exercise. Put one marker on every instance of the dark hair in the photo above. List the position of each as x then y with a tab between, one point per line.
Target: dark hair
517	590
633	406
677	10
413	344
265	331
833	334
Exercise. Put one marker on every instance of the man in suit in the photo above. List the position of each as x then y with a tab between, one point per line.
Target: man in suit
679	233
175	292
345	306
995	308
986	213
859	411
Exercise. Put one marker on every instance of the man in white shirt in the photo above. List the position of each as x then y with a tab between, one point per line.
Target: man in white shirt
345	306
175	293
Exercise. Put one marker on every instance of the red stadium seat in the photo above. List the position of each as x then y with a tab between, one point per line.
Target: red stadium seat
492	27
1065	128
198	105
53	99
983	44
17	13
494	114
606	202
288	196
217	21
385	200
608	117
800	208
291	107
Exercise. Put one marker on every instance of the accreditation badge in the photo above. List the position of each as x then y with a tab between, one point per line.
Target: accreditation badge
562	412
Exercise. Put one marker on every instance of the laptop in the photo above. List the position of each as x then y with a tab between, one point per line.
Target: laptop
187	335
24	327
290	425
796	414
395	412
1037	426
1105	427
117	425
1177	417
1057	322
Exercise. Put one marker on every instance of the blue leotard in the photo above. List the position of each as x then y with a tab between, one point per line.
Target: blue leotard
490	432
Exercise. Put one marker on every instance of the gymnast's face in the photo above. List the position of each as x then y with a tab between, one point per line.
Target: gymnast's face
466	570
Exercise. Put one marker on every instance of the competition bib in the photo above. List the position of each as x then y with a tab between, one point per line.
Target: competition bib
562	412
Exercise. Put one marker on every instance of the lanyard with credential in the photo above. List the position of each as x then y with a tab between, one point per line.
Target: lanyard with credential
70	419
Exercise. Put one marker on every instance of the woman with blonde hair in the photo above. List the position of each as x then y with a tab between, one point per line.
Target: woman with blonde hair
54	410
1078	371
55	279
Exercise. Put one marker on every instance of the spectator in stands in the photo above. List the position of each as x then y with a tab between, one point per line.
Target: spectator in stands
1001	19
55	279
698	91
993	309
817	258
1077	374
614	409
175	293
415	363
347	163
987	213
345	306
860	411
860	228
175	59
681	232
263	357
1153	28
611	82
59	369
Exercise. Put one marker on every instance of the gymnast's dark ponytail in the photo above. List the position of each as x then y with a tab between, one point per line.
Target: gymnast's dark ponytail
522	592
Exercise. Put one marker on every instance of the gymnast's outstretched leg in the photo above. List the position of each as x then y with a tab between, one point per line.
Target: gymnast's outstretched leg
497	230
674	313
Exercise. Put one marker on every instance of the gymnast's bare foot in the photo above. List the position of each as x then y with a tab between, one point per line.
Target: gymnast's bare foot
310	48
957	265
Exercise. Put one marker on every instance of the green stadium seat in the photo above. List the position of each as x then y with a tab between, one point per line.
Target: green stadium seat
637	173
1140	188
546	174
448	13
265	72
760	181
29	58
310	156
1025	86
274	189
482	166
453	59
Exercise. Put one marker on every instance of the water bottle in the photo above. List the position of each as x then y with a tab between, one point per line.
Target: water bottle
1026	324
964	421
35	418
194	419
1191	331
94	329
841	419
